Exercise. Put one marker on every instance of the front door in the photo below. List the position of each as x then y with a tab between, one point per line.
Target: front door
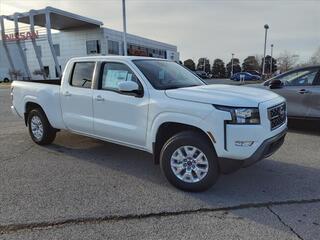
119	117
297	90
76	99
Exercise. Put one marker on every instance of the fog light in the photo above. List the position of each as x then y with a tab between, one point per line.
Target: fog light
244	143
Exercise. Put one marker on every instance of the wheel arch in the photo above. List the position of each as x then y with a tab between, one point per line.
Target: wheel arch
169	128
29	106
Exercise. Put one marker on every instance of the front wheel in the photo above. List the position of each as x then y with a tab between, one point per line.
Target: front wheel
40	129
189	162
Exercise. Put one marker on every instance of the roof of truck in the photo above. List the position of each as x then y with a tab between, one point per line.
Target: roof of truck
130	58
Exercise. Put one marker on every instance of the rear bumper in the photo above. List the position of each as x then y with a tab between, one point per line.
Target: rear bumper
266	149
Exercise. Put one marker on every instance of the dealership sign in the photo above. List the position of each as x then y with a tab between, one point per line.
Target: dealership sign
21	36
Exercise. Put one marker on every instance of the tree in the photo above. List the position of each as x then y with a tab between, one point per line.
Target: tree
200	65
39	72
259	58
189	63
287	60
315	59
15	74
250	64
267	67
218	69
236	66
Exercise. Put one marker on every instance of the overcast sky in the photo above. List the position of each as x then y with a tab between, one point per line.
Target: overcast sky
213	29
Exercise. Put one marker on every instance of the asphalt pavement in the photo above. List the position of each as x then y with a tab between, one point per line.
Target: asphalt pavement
81	188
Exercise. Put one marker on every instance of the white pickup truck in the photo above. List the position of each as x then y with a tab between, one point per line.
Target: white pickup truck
194	130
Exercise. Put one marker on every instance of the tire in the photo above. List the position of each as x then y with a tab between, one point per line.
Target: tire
37	120
189	140
6	80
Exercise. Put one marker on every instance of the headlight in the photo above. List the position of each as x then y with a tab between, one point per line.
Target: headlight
242	115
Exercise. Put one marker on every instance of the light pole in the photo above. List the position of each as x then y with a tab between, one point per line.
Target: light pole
124	28
271	69
266	27
232	55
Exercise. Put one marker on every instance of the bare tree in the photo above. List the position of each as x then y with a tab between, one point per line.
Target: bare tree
15	74
287	61
315	59
259	58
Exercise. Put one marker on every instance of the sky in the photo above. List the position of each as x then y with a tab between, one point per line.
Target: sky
204	28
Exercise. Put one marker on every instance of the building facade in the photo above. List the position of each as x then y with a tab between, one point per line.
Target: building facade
76	41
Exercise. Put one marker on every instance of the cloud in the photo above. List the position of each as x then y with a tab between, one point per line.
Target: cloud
199	28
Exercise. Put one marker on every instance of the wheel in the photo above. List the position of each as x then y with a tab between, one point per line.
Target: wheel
6	80
40	129
189	162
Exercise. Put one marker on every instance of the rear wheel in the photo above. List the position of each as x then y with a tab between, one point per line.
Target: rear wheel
189	162
40	129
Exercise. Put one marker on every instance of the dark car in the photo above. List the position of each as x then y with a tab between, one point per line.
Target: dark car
202	74
301	88
254	72
244	76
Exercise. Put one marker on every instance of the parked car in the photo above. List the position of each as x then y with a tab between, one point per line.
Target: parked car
4	77
301	88
254	72
195	131
244	76
202	74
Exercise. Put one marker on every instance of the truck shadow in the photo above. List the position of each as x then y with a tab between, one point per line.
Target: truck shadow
304	126
271	181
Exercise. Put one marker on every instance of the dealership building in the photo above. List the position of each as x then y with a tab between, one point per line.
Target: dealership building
52	36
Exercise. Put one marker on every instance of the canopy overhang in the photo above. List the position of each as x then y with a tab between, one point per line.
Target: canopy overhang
60	20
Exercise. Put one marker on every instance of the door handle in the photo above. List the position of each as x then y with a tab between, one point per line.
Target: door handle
67	94
99	98
303	91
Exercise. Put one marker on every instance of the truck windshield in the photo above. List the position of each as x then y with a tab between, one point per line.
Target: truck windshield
167	75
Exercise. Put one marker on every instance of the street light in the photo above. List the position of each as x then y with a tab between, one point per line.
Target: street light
232	54
271	59
266	27
124	28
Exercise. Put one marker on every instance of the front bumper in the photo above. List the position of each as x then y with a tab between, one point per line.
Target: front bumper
266	149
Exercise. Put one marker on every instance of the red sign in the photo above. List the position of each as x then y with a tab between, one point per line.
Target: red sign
21	36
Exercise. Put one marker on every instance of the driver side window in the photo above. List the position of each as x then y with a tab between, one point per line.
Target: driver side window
299	78
113	73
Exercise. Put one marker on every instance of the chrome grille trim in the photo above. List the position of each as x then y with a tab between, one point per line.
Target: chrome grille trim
277	115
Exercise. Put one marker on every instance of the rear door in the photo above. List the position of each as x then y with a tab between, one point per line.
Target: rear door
297	90
76	98
314	99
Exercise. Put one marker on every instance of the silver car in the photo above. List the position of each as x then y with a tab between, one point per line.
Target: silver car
301	88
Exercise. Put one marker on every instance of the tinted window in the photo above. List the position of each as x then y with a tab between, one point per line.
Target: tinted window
82	74
297	78
167	75
113	47
93	47
114	73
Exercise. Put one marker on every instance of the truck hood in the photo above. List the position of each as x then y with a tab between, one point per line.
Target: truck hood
226	95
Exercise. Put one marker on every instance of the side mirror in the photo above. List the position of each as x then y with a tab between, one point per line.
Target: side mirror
130	87
275	84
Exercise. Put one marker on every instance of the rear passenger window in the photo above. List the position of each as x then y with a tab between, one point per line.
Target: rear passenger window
82	74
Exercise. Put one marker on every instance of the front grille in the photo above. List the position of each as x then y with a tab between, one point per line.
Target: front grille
277	115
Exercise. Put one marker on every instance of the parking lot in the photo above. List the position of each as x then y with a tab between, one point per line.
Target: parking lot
81	188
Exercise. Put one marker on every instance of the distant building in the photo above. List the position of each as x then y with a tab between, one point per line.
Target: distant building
77	36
